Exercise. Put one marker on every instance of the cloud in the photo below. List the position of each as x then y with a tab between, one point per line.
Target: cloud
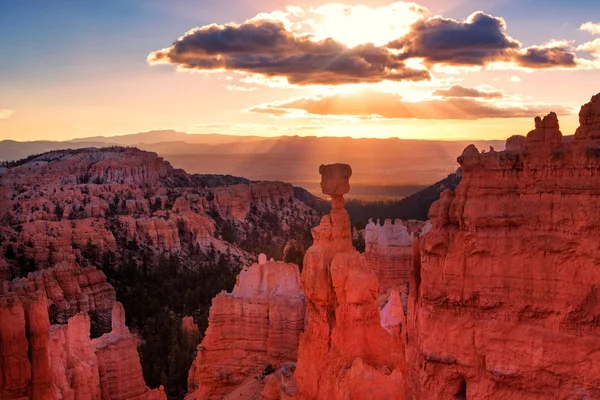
371	104
515	79
335	44
478	40
592	48
461	91
238	88
267	48
552	55
5	113
591	27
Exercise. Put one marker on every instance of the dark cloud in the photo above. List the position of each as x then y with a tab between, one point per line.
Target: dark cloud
550	56
267	48
387	105
478	40
461	91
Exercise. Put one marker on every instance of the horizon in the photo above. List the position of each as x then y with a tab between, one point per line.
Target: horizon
424	71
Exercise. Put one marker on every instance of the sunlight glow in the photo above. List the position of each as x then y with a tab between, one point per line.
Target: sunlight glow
356	25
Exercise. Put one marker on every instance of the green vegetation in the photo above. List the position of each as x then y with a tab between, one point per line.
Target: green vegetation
157	290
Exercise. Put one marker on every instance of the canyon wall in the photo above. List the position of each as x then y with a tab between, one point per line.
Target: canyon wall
63	205
254	328
344	353
504	298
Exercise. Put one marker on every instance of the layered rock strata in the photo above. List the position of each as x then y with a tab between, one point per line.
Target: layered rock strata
61	207
69	288
254	328
504	297
344	353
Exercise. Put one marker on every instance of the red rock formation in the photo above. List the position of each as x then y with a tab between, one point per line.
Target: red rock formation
38	328
15	368
258	324
132	167
74	363
62	238
235	200
160	233
344	353
24	345
58	203
188	326
388	251
70	288
119	365
66	209
589	122
504	294
43	362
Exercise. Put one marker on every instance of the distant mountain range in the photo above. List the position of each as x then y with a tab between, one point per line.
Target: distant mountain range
293	159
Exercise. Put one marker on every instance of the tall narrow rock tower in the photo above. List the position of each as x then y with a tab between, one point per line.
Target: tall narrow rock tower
344	353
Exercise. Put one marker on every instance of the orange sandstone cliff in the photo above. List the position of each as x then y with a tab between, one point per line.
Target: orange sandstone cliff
504	297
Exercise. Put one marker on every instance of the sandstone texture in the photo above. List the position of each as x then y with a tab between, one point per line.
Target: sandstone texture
119	368
69	288
255	327
344	353
335	179
504	299
74	363
66	214
66	205
40	361
388	252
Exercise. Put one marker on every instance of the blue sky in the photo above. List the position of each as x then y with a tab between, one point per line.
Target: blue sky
90	57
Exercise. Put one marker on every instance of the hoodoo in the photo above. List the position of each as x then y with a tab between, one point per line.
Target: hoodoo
344	353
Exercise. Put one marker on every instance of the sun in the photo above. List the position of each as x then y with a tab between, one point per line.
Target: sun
356	25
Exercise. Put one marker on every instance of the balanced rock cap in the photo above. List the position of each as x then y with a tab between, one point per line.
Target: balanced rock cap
335	179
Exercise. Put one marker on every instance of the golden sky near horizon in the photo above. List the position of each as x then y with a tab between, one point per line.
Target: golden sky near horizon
473	70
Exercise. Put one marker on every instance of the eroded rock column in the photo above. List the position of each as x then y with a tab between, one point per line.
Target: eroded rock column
345	353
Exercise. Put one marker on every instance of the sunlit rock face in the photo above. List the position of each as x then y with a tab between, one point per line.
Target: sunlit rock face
344	353
504	298
40	361
256	325
74	363
69	288
119	368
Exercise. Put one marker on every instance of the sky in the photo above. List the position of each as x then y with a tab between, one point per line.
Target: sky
435	69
